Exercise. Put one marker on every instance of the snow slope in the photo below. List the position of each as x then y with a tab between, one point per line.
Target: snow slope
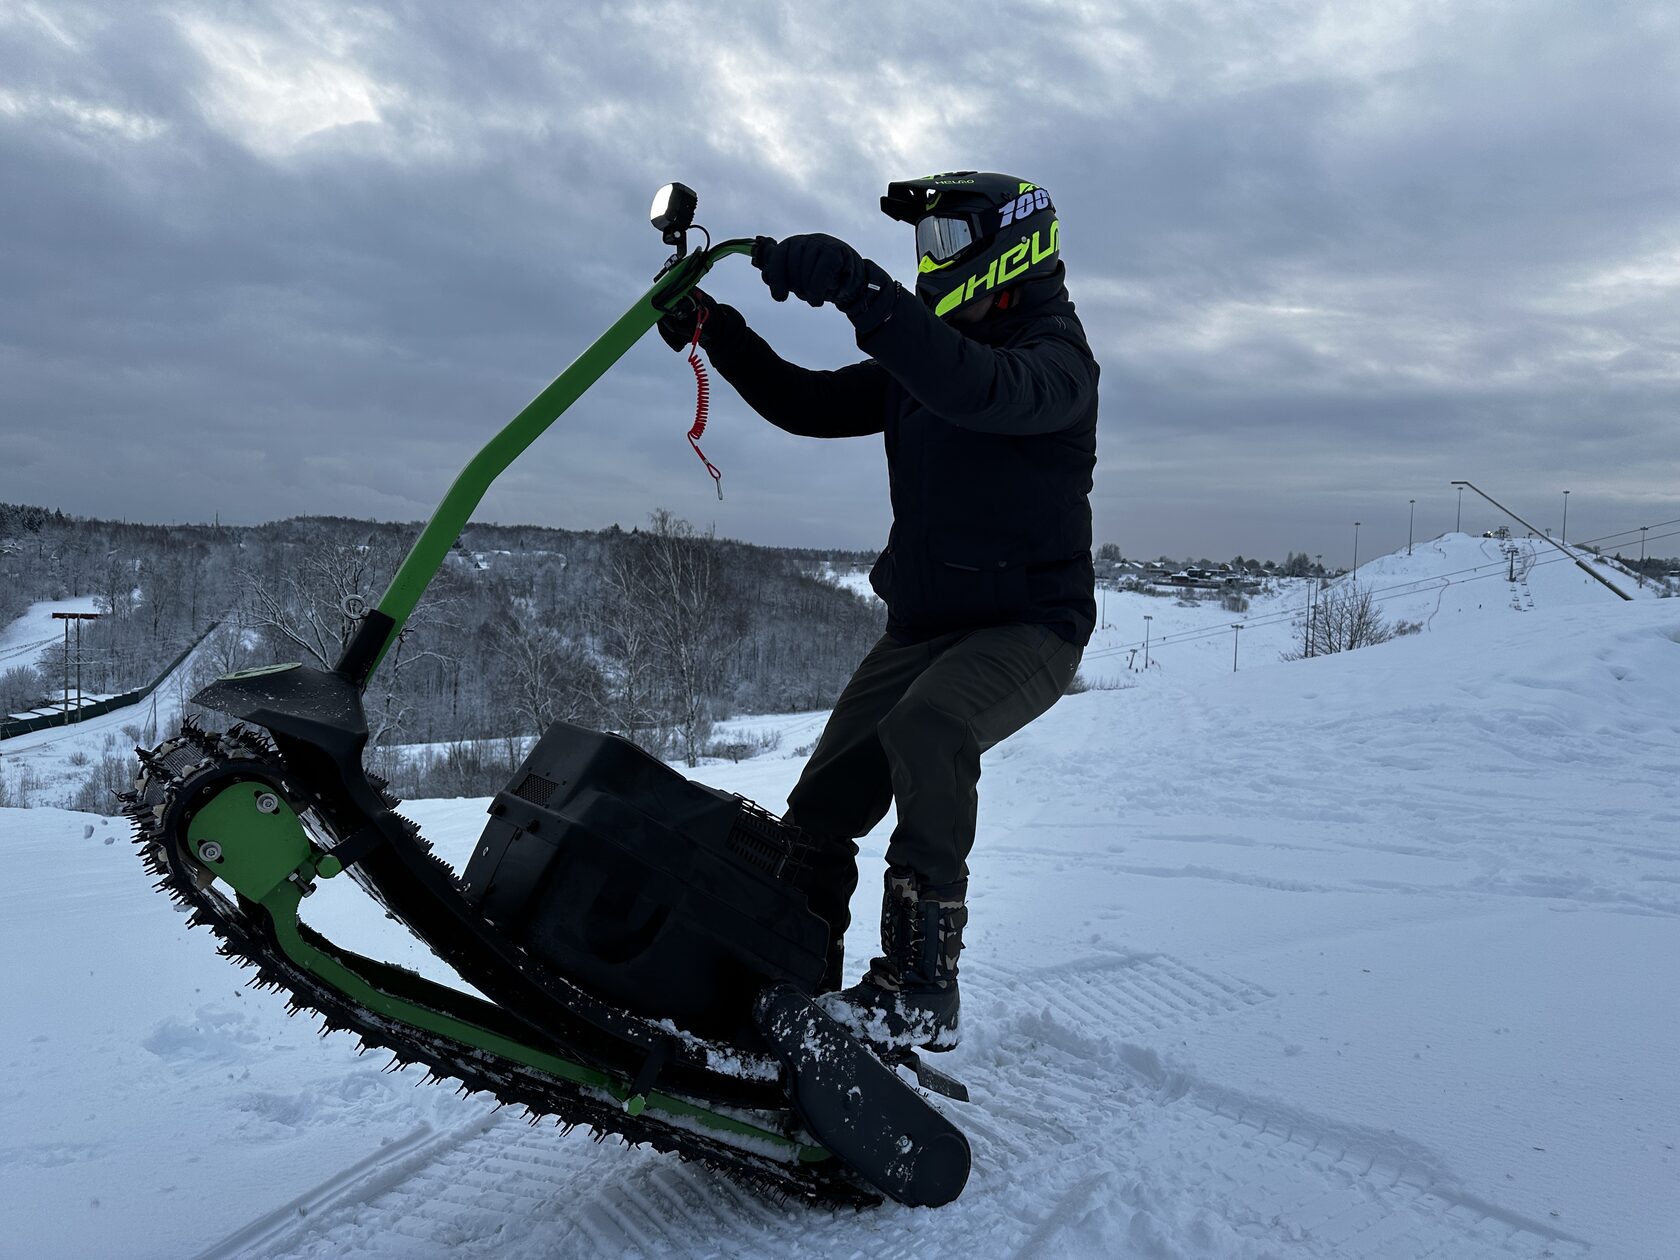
1449	581
55	761
1373	955
23	641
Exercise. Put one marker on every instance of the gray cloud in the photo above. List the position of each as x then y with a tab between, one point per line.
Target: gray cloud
267	259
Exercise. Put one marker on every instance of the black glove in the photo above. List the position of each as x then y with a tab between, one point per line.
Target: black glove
722	324
818	268
814	268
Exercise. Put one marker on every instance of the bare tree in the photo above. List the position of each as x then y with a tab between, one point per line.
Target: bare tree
21	687
666	626
693	634
116	587
316	603
623	621
162	578
225	649
545	675
312	606
1344	618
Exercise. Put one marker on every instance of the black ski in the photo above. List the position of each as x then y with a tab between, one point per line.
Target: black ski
860	1108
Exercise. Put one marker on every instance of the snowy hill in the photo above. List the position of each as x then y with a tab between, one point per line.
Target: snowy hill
1446	583
22	642
1371	955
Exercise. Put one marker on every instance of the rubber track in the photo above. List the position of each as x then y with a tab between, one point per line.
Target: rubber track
246	937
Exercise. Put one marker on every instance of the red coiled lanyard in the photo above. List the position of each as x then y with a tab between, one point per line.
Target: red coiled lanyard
702	400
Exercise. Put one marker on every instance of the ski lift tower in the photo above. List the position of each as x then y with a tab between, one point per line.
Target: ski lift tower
1579	563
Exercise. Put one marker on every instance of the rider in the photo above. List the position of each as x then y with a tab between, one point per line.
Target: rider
985	388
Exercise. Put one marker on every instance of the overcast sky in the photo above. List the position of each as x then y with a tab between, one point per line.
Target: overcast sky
263	259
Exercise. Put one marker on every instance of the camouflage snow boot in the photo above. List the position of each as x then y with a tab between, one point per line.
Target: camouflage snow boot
908	999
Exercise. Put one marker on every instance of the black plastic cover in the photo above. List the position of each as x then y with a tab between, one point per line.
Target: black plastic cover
664	896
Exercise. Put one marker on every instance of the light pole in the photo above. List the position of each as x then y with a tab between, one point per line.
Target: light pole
1410	519
1236	636
1147	618
1306	648
1356	553
1458	521
1566	518
1642	530
1318	589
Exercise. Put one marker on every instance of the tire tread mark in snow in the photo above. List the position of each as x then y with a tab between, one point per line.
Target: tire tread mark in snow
1123	992
1076	1131
511	1188
367	1178
1348	1192
1402	1175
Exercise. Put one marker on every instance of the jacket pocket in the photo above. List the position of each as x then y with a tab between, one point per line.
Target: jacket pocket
976	587
880	576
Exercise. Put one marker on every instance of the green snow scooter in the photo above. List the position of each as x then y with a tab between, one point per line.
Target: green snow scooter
645	957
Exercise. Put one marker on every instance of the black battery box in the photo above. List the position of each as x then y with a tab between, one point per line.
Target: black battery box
657	894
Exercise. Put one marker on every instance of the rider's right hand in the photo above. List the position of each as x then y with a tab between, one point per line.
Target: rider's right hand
722	322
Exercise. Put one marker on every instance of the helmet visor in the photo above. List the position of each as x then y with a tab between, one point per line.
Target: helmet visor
943	237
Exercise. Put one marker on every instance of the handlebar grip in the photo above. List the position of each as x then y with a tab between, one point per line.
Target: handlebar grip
761	246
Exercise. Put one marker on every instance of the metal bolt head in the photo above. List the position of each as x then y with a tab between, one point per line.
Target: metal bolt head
210	851
268	803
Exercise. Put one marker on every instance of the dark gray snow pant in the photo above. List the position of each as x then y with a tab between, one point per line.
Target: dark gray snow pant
910	727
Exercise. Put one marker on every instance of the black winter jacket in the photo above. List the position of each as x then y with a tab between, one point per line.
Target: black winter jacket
991	435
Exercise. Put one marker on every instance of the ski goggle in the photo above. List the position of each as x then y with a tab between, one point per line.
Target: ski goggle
942	237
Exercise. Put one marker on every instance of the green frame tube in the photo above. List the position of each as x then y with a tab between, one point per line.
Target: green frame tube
281	905
430	550
268	859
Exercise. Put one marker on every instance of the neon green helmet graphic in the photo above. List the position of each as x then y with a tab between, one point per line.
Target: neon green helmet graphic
977	234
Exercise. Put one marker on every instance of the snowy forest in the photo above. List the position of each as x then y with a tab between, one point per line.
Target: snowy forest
653	631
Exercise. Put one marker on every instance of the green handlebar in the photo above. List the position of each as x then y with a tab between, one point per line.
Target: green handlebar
430	550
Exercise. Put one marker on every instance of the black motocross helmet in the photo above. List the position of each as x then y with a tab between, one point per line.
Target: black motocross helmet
977	233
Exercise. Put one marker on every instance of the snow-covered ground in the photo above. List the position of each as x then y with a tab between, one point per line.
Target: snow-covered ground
22	642
1373	955
1442	583
51	764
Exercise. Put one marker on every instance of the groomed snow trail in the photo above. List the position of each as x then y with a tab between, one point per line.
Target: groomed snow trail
1084	1141
1371	956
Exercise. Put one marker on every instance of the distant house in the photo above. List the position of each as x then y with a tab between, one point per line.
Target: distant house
1204	579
